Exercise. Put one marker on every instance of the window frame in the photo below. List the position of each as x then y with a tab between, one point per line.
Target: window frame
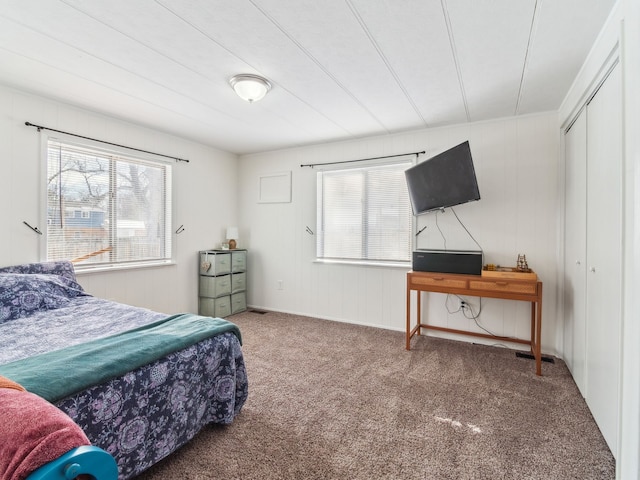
362	261
170	201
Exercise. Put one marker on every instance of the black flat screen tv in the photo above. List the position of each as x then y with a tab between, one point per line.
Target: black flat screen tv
442	181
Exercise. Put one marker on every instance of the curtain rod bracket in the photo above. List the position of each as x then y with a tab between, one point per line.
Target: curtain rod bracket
35	229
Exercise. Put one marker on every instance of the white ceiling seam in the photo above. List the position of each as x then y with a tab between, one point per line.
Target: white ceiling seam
137	40
384	58
209	38
334	38
532	30
320	65
454	54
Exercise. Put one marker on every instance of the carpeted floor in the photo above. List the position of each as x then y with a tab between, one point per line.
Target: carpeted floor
330	400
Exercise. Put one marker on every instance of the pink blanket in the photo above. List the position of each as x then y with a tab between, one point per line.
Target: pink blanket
32	432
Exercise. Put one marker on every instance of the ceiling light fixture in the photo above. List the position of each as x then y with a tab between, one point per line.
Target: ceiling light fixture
250	87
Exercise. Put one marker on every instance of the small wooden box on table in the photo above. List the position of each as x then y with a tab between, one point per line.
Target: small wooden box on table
525	288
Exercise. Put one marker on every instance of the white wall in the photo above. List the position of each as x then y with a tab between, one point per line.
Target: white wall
204	192
516	165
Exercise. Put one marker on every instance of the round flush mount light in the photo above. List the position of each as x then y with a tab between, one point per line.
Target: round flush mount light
250	87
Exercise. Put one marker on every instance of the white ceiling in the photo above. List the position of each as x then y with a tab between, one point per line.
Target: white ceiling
340	68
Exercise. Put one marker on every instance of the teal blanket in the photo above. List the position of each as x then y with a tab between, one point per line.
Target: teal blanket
58	374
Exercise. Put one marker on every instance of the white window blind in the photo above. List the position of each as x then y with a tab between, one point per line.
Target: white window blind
105	208
364	214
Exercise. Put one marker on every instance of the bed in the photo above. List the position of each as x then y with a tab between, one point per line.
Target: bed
140	384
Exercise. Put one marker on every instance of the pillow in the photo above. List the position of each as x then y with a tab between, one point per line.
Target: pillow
22	294
64	268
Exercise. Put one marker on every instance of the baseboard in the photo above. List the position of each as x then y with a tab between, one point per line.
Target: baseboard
455	337
332	319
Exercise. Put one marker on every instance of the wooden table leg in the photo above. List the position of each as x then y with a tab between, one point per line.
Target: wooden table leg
408	333
533	329
535	343
419	311
539	332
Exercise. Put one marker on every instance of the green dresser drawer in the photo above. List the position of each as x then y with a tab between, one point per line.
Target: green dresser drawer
238	302
222	306
215	286
215	307
238	261
213	264
238	282
206	307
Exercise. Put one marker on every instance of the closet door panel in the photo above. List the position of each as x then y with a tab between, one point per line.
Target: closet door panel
604	255
575	250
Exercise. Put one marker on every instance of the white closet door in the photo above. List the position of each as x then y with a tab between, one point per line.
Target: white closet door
575	250
604	255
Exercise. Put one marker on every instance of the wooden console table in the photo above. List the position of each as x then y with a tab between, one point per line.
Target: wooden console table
478	286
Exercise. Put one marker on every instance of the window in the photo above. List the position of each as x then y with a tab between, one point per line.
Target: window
364	214
105	208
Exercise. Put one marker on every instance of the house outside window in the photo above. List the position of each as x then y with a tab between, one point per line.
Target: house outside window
105	208
364	214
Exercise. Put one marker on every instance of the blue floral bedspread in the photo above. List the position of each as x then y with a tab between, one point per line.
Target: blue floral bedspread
146	414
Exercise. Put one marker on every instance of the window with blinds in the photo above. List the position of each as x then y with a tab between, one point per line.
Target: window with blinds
104	208
364	214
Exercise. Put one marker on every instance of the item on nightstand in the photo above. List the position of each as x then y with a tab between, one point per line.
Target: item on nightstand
498	272
232	235
522	265
521	271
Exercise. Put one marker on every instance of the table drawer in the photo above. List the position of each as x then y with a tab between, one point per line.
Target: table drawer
504	286
437	281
